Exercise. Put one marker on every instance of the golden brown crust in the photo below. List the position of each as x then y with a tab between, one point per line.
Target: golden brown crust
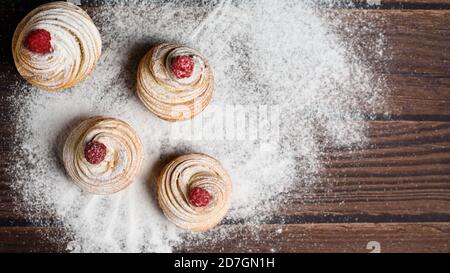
184	173
166	96
123	160
76	46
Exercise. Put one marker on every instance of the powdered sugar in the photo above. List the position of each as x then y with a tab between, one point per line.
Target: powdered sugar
286	86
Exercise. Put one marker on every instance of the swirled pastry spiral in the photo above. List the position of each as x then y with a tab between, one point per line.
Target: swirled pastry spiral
193	174
74	52
174	96
119	164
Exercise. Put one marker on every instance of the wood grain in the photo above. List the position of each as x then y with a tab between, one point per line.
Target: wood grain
29	239
415	62
333	238
396	237
402	175
395	190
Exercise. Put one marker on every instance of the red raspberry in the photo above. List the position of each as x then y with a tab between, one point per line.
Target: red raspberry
95	152
182	66
38	41
199	197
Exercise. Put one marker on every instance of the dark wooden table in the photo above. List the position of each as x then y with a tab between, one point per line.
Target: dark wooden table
395	192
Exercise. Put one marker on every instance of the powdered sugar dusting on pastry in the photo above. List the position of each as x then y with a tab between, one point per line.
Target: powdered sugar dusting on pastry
297	85
76	46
